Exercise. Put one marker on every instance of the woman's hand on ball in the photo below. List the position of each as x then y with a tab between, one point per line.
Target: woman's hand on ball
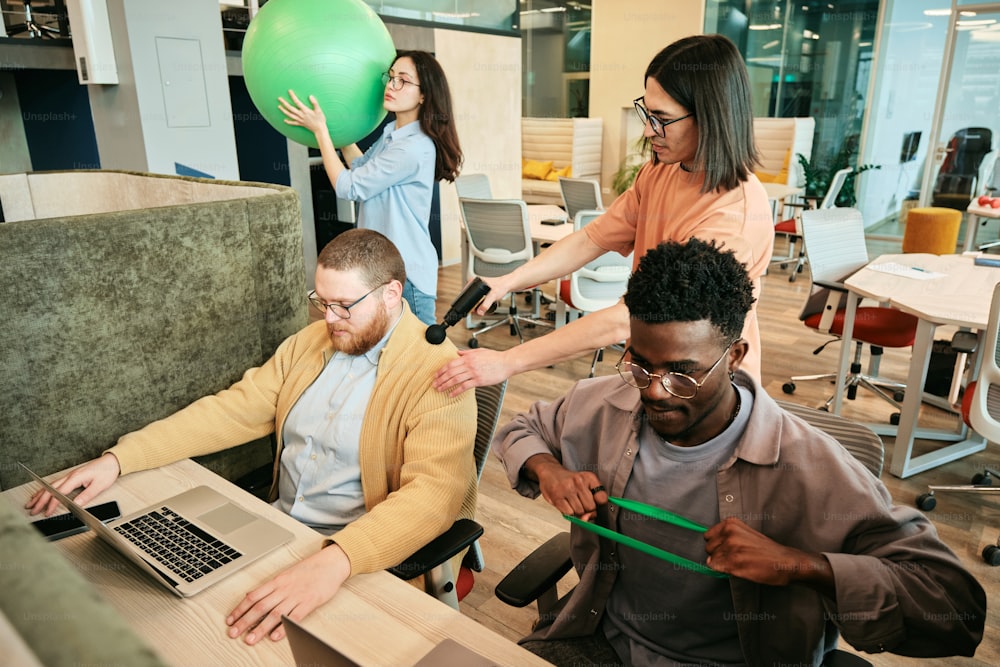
297	113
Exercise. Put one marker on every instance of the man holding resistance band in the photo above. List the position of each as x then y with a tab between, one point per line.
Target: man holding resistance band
785	542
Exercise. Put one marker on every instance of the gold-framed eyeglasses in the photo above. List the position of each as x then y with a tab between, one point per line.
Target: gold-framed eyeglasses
658	124
339	309
396	82
680	385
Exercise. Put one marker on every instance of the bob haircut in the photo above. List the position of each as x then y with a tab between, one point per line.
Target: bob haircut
706	75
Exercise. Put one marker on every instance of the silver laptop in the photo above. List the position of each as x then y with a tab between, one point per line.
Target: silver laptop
309	650
187	542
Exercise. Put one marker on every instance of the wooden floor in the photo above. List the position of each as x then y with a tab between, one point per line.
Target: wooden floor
514	525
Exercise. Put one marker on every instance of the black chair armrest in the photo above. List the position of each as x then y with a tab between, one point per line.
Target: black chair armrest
540	571
839	287
443	547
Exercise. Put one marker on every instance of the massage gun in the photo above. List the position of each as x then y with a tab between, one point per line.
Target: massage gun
466	301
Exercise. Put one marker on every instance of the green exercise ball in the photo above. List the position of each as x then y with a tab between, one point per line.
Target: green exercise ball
336	50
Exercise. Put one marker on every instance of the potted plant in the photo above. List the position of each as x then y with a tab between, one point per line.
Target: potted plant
817	175
623	178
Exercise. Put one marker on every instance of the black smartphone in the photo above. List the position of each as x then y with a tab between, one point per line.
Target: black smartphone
553	221
63	525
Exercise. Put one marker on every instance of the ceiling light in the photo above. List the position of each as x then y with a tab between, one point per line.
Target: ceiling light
937	12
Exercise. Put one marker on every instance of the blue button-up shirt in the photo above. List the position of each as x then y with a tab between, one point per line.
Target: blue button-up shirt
393	183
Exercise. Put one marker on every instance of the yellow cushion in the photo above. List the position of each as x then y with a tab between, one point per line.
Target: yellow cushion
536	169
565	172
780	177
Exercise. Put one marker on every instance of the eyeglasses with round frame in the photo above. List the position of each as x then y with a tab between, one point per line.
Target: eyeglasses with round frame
396	82
680	385
658	124
340	310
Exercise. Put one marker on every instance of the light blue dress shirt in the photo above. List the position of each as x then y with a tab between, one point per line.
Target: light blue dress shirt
320	480
393	183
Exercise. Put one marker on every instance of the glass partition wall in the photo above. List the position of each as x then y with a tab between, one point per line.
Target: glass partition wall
806	58
935	118
555	51
909	87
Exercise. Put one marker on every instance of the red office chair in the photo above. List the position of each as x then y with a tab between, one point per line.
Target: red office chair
835	243
791	228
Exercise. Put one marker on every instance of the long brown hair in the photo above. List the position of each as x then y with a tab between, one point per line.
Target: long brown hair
706	75
436	118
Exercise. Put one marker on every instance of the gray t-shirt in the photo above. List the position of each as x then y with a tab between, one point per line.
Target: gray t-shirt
659	613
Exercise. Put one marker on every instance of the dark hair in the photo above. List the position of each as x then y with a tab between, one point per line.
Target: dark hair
436	118
689	282
706	75
368	251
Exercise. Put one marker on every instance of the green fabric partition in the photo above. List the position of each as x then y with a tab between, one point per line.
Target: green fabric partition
112	320
60	616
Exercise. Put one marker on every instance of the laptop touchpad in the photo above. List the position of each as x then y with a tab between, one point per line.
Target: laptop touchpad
226	518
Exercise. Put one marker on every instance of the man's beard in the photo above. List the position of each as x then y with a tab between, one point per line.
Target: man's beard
360	342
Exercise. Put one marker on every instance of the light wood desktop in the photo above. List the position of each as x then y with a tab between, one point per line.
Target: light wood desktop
777	193
960	297
377	617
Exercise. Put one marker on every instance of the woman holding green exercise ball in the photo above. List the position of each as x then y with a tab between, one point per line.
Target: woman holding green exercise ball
393	180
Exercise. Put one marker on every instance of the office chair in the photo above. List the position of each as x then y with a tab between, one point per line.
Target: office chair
40	30
835	243
433	560
596	285
981	411
957	178
474	186
791	228
580	194
534	579
500	241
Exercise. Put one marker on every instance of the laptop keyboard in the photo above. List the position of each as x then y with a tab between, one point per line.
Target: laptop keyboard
177	544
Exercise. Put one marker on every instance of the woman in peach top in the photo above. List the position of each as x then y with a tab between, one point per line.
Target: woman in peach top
699	182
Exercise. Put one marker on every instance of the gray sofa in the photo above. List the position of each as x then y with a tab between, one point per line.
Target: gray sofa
125	296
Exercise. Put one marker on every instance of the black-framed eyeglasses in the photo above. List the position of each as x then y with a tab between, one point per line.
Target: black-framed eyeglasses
658	124
680	385
396	82
340	310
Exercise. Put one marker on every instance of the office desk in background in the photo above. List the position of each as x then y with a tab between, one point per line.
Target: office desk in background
777	193
376	617
972	216
960	297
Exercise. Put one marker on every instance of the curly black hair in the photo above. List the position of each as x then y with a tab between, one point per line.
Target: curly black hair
688	282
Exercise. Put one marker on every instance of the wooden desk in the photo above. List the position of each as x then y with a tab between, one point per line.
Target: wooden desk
375	617
777	193
960	298
973	213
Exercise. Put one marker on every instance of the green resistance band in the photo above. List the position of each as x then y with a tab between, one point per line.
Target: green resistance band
656	552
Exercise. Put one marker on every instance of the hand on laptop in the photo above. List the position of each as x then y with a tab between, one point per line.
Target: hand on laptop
296	592
93	477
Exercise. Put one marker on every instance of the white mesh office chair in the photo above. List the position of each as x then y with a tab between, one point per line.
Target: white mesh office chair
580	194
597	285
474	186
500	241
835	243
981	411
